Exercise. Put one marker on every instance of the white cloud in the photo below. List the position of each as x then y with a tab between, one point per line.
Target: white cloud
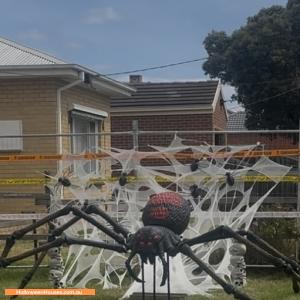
235	107
101	15
33	35
228	91
74	45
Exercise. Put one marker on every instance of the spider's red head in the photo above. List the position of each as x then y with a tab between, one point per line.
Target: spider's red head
167	209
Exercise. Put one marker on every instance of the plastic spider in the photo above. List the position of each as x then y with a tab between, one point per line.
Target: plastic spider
165	217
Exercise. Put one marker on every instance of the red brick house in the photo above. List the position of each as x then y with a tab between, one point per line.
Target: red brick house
163	106
242	136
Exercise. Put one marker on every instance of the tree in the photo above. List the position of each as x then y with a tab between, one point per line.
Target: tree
262	61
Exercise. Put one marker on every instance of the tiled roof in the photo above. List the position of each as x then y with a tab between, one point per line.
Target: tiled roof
169	93
236	121
12	54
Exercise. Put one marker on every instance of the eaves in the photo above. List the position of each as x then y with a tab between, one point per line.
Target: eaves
166	110
70	72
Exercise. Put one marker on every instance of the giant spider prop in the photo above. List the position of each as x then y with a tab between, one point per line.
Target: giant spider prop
165	217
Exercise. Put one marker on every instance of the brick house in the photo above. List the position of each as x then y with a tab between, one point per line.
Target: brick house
182	106
40	94
242	136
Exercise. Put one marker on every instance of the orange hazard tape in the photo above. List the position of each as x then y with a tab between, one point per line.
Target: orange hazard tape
29	157
92	156
249	178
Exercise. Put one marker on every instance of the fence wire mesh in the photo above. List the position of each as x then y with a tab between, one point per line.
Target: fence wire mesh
24	161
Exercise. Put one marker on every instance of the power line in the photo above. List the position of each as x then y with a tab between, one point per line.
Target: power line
268	98
158	67
126	72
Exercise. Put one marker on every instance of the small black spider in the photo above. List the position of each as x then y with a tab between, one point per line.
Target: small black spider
64	181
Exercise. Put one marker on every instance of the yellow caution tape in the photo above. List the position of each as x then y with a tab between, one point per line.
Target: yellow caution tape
203	179
21	181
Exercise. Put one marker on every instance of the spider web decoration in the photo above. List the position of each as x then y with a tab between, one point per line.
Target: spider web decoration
178	167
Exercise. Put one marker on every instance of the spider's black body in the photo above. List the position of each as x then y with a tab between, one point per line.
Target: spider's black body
165	217
151	241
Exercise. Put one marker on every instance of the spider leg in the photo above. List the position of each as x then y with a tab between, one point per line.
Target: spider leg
79	213
30	274
224	232
83	213
18	234
161	255
116	226
263	244
4	261
93	209
228	288
58	242
129	269
86	242
57	231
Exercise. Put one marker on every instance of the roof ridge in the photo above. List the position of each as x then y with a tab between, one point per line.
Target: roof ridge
32	51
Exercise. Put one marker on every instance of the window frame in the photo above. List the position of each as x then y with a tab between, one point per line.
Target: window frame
13	144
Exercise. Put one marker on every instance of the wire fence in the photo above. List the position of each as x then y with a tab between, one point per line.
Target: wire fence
25	159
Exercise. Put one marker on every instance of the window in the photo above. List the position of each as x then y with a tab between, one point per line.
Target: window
85	143
11	127
219	139
86	121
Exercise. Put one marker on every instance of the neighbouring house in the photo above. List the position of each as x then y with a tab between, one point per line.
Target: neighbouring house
41	94
242	136
236	121
168	106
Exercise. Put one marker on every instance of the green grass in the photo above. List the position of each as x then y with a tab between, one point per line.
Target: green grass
261	286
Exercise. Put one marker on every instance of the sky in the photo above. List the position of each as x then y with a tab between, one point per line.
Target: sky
112	36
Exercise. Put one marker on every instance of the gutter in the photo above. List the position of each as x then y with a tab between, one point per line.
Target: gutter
66	70
59	111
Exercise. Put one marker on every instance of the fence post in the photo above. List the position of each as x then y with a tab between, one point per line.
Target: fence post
135	134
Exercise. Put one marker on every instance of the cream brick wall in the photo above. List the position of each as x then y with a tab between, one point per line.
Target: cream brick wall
34	102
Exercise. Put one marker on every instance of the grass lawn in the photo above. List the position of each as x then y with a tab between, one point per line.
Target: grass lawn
261	286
